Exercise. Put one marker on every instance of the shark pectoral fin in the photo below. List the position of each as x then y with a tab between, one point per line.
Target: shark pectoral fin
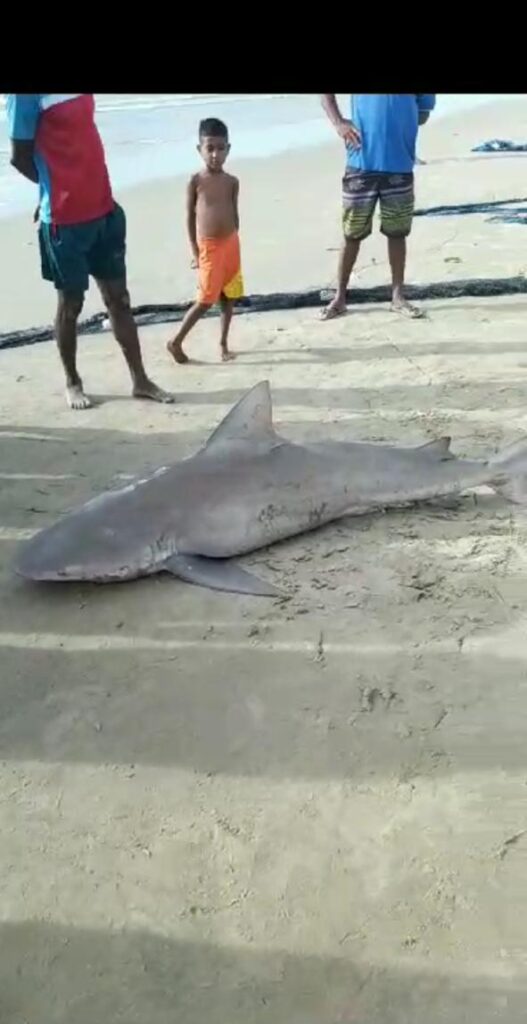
218	574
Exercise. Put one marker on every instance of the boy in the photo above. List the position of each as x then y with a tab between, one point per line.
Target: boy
380	142
212	224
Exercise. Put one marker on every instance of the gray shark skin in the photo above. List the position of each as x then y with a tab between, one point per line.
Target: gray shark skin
248	488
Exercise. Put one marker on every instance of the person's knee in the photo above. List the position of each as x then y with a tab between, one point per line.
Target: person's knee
396	240
118	303
352	244
70	307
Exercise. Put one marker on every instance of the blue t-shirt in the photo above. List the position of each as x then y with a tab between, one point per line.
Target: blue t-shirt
388	124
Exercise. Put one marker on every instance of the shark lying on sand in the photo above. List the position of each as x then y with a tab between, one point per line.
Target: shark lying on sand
248	488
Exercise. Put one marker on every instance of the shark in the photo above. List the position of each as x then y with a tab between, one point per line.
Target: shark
245	489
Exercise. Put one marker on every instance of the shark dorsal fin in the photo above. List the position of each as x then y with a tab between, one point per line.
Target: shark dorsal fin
439	448
251	419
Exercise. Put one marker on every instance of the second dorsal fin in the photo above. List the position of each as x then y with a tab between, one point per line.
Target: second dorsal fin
439	448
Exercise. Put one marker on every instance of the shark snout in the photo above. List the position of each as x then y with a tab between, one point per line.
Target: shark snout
56	554
34	562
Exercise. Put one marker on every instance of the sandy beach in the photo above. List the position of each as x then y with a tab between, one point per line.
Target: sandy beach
228	809
290	222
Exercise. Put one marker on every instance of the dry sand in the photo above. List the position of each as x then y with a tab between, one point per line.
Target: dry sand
220	809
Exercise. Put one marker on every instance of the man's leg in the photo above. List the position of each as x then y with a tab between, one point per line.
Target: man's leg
69	307
117	301
63	263
227	308
397	207
106	259
397	258
359	200
347	259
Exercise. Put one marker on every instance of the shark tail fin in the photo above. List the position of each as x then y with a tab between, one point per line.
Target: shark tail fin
510	465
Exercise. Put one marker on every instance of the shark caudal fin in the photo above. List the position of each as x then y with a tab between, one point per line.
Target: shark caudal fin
510	467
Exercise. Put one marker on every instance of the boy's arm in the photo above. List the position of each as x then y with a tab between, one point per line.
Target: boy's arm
235	196
192	189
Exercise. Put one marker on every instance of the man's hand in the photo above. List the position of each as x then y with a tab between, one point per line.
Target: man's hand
195	260
346	129
22	159
349	133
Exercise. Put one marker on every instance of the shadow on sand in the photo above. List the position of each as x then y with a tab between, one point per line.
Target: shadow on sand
81	975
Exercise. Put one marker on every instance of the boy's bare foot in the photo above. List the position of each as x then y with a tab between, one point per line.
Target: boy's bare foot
227	356
76	398
176	351
147	389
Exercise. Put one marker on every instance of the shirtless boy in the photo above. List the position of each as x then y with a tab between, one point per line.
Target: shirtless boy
212	224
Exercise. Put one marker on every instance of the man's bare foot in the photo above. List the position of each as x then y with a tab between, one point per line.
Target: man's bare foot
176	351
76	398
227	356
336	308
147	389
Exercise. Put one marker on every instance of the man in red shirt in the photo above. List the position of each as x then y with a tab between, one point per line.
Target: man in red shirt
82	232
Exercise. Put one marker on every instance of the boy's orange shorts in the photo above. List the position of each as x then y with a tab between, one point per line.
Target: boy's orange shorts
219	268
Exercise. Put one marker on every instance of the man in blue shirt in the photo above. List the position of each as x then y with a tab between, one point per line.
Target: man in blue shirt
380	140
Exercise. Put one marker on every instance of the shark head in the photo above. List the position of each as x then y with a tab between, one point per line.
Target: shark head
103	540
135	530
73	550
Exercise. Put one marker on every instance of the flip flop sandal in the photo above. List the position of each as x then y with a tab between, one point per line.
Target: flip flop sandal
330	313
409	311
